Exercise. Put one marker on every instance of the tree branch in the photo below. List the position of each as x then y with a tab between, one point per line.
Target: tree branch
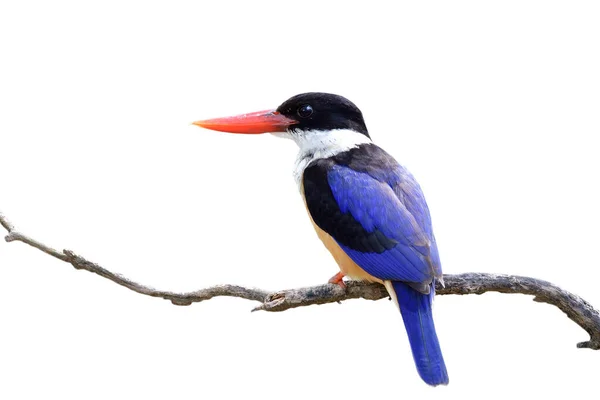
577	309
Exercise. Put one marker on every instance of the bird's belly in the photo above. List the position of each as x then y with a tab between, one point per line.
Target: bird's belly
347	266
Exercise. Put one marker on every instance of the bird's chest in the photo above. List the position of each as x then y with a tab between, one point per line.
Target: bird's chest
347	266
303	159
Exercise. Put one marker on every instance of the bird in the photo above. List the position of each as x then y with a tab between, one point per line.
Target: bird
367	209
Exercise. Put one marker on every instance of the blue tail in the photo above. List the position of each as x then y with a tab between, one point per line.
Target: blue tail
418	320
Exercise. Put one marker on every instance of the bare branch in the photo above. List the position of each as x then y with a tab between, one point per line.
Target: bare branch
577	309
5	223
180	299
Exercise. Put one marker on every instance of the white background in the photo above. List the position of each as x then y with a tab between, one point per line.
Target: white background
493	106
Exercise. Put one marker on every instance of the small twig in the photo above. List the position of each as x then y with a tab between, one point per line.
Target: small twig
577	309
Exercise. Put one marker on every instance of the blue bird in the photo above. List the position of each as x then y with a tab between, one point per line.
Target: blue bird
368	210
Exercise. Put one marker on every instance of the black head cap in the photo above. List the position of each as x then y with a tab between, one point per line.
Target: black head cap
323	111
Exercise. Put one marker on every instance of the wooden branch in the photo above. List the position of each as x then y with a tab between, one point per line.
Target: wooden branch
577	309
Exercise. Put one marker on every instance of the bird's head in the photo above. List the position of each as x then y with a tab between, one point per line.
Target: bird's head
300	117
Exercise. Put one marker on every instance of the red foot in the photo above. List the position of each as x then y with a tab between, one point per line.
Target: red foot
338	280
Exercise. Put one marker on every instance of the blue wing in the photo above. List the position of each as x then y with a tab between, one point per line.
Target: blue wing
376	212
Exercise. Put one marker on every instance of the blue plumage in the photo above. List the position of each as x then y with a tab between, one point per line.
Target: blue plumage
418	320
375	206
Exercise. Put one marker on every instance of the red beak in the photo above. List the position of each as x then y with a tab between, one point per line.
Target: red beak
257	122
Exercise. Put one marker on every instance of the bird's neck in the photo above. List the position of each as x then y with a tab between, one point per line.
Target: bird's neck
323	144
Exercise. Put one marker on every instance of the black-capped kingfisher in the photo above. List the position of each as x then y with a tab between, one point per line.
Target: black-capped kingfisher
368	210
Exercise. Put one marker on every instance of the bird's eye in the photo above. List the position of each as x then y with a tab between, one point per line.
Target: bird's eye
305	111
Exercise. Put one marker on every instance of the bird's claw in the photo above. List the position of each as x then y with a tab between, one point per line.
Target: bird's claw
338	279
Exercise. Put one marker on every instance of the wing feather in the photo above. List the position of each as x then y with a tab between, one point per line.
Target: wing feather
376	212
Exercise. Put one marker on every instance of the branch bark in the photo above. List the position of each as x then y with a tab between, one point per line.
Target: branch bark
577	309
